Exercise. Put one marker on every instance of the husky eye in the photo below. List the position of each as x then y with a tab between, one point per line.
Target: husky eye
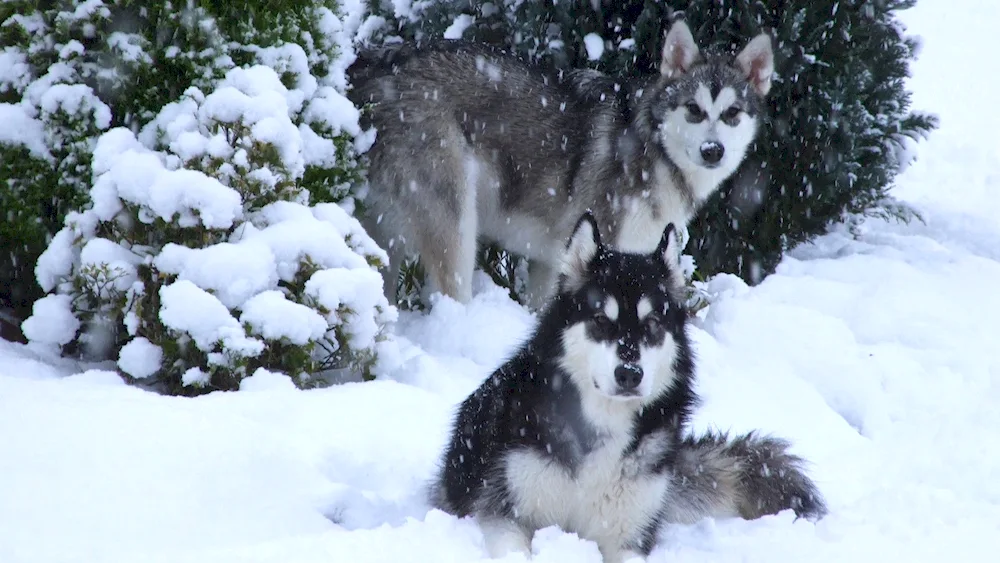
731	114
603	324
694	113
653	329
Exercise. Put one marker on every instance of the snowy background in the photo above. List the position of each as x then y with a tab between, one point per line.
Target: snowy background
877	356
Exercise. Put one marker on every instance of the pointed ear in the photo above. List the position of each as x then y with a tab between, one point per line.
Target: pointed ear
669	252
667	249
756	61
583	245
679	51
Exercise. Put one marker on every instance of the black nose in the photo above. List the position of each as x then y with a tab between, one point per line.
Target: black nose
628	376
712	152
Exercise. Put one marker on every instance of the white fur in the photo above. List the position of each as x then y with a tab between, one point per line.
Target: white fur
592	365
468	227
643	308
641	228
611	308
657	363
683	141
714	108
609	500
503	537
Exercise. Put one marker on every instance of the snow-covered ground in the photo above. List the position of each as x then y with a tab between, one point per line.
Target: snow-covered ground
877	356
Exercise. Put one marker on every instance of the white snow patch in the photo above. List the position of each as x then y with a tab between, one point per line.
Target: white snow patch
188	308
233	272
594	45
458	26
274	317
52	321
140	358
264	381
20	129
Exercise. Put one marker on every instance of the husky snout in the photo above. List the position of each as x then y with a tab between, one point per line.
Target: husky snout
628	377
712	153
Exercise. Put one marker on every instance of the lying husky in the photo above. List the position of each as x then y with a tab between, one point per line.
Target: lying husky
474	144
584	427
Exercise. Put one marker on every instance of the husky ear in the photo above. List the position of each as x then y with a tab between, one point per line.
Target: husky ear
667	249
669	252
679	51
756	61
583	245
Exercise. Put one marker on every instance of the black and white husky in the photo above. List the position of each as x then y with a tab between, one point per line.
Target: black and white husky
584	427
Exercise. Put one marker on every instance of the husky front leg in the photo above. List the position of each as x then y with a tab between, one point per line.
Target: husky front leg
448	250
447	228
504	536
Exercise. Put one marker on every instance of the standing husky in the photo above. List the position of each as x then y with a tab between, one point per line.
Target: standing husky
583	428
473	143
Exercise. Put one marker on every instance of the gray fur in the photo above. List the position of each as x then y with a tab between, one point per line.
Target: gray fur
747	476
473	144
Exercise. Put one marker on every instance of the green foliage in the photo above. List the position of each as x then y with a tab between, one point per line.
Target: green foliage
840	119
240	105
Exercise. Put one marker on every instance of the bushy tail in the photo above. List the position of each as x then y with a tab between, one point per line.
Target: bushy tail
748	476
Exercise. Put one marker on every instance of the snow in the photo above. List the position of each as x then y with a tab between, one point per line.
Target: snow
458	27
274	317
874	354
120	262
353	296
190	309
20	129
74	99
234	272
52	321
140	358
594	45
127	172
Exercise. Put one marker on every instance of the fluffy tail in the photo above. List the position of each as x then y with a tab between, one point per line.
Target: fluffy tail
748	476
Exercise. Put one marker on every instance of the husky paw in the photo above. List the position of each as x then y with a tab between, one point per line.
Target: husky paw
504	537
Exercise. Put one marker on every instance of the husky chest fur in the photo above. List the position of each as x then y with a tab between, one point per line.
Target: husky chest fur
583	428
472	143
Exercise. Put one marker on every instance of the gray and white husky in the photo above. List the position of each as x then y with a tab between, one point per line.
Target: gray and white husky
584	427
473	143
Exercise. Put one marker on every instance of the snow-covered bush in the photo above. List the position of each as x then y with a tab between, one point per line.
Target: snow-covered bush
219	238
49	120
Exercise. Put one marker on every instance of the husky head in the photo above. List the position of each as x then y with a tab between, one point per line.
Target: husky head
624	326
705	109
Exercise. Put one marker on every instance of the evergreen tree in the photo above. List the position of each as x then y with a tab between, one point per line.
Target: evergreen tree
839	111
